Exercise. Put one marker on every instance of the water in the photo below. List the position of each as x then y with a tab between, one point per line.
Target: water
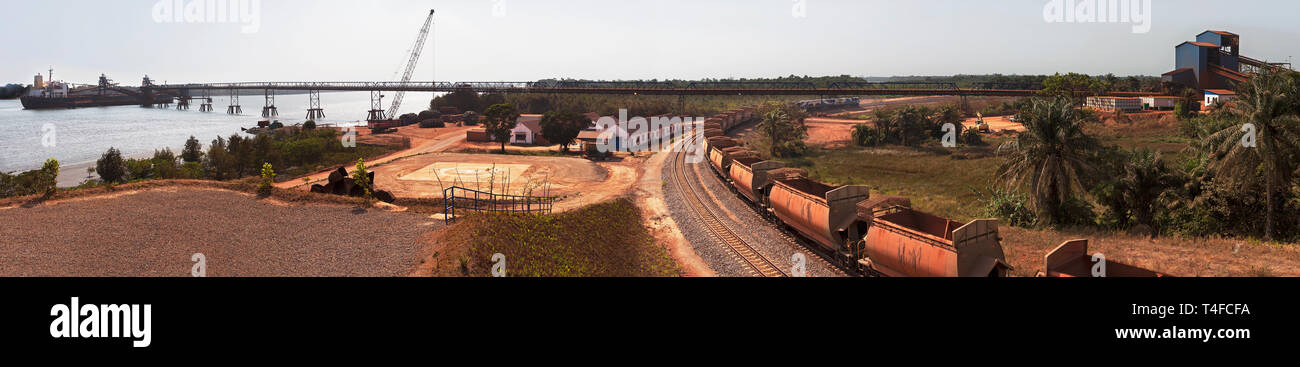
81	135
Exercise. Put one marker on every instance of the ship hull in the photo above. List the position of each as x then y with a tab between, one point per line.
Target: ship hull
40	103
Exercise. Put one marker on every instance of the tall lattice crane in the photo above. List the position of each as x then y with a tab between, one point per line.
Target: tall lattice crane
410	64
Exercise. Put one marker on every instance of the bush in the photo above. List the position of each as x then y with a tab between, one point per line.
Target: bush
309	125
867	136
111	167
432	124
268	178
43	181
972	137
139	169
303	151
1010	206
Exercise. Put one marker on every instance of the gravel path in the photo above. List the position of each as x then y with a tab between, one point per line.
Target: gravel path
155	233
756	231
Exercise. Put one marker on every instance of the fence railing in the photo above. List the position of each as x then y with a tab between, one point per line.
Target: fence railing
458	199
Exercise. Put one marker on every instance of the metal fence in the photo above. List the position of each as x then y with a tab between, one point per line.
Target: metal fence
458	199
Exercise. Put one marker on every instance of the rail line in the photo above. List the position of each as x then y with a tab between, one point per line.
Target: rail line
755	260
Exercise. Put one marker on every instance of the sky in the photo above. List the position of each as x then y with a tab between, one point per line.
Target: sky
523	40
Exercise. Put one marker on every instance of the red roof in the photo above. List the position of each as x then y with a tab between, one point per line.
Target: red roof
1180	70
1221	33
1203	44
1222	92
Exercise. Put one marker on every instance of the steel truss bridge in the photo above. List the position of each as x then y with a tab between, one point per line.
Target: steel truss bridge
680	89
721	88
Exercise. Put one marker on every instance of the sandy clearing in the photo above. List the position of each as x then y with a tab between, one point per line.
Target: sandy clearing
155	233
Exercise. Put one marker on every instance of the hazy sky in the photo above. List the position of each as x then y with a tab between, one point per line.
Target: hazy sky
520	40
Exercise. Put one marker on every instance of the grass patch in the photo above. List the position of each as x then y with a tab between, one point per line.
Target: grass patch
936	183
602	240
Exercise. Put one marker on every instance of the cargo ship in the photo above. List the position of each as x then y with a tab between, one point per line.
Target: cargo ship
56	94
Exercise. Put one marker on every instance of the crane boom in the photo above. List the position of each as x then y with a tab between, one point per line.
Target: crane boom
410	64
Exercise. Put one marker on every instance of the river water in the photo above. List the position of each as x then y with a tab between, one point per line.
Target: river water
77	137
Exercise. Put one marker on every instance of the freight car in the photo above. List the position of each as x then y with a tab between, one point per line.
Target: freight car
822	213
1071	260
749	177
901	241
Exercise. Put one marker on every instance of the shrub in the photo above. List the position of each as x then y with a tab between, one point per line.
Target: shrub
303	151
432	124
111	167
309	125
268	178
362	178
972	137
49	178
1010	206
139	169
867	136
43	181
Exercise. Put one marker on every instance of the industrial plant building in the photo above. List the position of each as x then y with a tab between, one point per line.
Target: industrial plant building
1214	62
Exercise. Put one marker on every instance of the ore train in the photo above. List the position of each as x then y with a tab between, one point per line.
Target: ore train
875	236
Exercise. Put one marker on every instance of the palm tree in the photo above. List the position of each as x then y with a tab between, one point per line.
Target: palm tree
1052	157
1145	179
1268	106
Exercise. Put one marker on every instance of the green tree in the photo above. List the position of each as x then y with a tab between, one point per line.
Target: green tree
1264	139
499	120
563	127
362	178
268	178
1051	158
49	180
217	161
782	129
193	151
1146	179
1073	85
110	166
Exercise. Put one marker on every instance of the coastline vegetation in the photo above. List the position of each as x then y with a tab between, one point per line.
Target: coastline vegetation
291	151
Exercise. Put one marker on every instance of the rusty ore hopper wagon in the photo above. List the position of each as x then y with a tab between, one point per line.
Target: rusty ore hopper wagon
749	176
822	213
720	158
901	241
1071	260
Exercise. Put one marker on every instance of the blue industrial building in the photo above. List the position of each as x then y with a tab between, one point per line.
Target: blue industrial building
1213	64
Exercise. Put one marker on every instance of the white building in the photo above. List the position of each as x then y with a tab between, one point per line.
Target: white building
528	131
1213	96
1108	103
1159	102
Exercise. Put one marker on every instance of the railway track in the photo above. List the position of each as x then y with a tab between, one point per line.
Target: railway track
724	235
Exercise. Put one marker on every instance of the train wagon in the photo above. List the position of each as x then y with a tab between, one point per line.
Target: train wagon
720	158
901	241
749	176
820	212
1071	260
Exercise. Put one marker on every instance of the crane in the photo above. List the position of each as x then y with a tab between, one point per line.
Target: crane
406	78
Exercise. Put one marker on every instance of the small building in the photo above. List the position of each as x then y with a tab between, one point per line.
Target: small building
1109	103
528	131
1159	102
1213	96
